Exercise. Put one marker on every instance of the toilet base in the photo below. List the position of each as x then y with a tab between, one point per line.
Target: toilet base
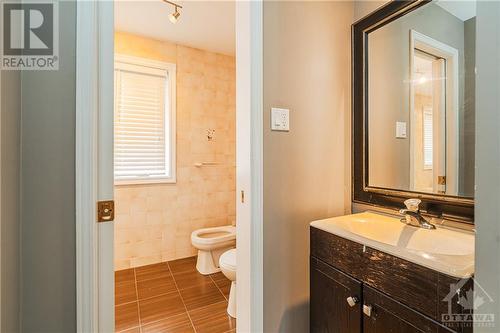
231	305
208	261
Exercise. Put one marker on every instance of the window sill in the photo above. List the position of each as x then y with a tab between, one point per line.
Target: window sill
145	181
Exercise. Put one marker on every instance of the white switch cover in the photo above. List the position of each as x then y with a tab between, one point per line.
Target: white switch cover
400	130
280	119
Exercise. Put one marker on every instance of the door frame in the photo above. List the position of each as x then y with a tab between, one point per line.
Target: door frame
94	113
249	165
94	59
450	54
1	280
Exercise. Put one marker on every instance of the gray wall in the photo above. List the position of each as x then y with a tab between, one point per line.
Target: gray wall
389	93
488	156
10	182
306	69
363	7
48	189
468	124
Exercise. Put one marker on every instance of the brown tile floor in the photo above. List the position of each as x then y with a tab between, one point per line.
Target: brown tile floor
171	297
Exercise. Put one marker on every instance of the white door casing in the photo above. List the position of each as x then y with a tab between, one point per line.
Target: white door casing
440	143
1	280
94	165
450	54
249	137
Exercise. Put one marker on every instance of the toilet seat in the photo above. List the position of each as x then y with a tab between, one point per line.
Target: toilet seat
213	236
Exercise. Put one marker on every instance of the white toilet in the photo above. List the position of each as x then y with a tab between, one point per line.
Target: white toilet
211	243
227	264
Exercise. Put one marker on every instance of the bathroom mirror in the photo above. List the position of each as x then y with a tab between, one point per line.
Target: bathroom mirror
414	105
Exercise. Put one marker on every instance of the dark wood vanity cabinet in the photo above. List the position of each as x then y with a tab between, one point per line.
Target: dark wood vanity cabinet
330	289
393	295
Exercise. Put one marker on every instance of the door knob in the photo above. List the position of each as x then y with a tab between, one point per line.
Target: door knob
352	301
367	310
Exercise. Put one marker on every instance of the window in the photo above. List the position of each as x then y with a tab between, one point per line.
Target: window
428	138
144	146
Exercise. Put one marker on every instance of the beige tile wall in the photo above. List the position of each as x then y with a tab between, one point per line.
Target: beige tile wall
154	222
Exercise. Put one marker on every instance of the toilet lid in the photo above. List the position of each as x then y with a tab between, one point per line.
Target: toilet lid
228	259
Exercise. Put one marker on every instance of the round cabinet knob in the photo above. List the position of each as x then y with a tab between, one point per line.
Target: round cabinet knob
367	310
352	301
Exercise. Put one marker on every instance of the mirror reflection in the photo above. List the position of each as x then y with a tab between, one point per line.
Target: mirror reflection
421	102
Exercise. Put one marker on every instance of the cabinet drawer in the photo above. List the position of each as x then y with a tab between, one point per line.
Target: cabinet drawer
407	282
341	253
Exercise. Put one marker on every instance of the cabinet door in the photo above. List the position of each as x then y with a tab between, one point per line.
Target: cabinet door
382	314
330	310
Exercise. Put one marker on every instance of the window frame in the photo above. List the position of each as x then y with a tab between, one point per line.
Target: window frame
170	119
427	111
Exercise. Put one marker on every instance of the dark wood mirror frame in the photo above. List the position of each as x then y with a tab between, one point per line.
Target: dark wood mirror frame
449	207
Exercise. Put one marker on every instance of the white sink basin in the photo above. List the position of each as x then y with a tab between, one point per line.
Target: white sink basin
449	251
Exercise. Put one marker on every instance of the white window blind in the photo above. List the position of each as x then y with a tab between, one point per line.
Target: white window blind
144	147
428	137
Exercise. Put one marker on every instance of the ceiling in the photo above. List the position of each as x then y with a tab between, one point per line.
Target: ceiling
207	25
463	10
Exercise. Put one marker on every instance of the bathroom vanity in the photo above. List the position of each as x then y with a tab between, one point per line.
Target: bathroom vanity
413	144
372	273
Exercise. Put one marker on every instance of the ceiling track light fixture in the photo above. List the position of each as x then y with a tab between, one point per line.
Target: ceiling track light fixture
175	15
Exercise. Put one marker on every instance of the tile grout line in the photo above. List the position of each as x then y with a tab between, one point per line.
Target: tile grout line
206	306
130	328
137	300
187	312
125	303
227	300
162	294
182	299
167	293
148	298
140	327
216	285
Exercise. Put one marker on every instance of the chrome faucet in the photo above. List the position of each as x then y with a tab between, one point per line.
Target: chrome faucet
412	215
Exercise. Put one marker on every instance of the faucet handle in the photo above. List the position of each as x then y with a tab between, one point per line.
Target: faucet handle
412	204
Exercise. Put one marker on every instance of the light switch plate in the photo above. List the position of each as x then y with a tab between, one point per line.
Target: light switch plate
400	130
280	119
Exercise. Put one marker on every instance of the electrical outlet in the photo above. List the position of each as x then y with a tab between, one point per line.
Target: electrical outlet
280	119
400	130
